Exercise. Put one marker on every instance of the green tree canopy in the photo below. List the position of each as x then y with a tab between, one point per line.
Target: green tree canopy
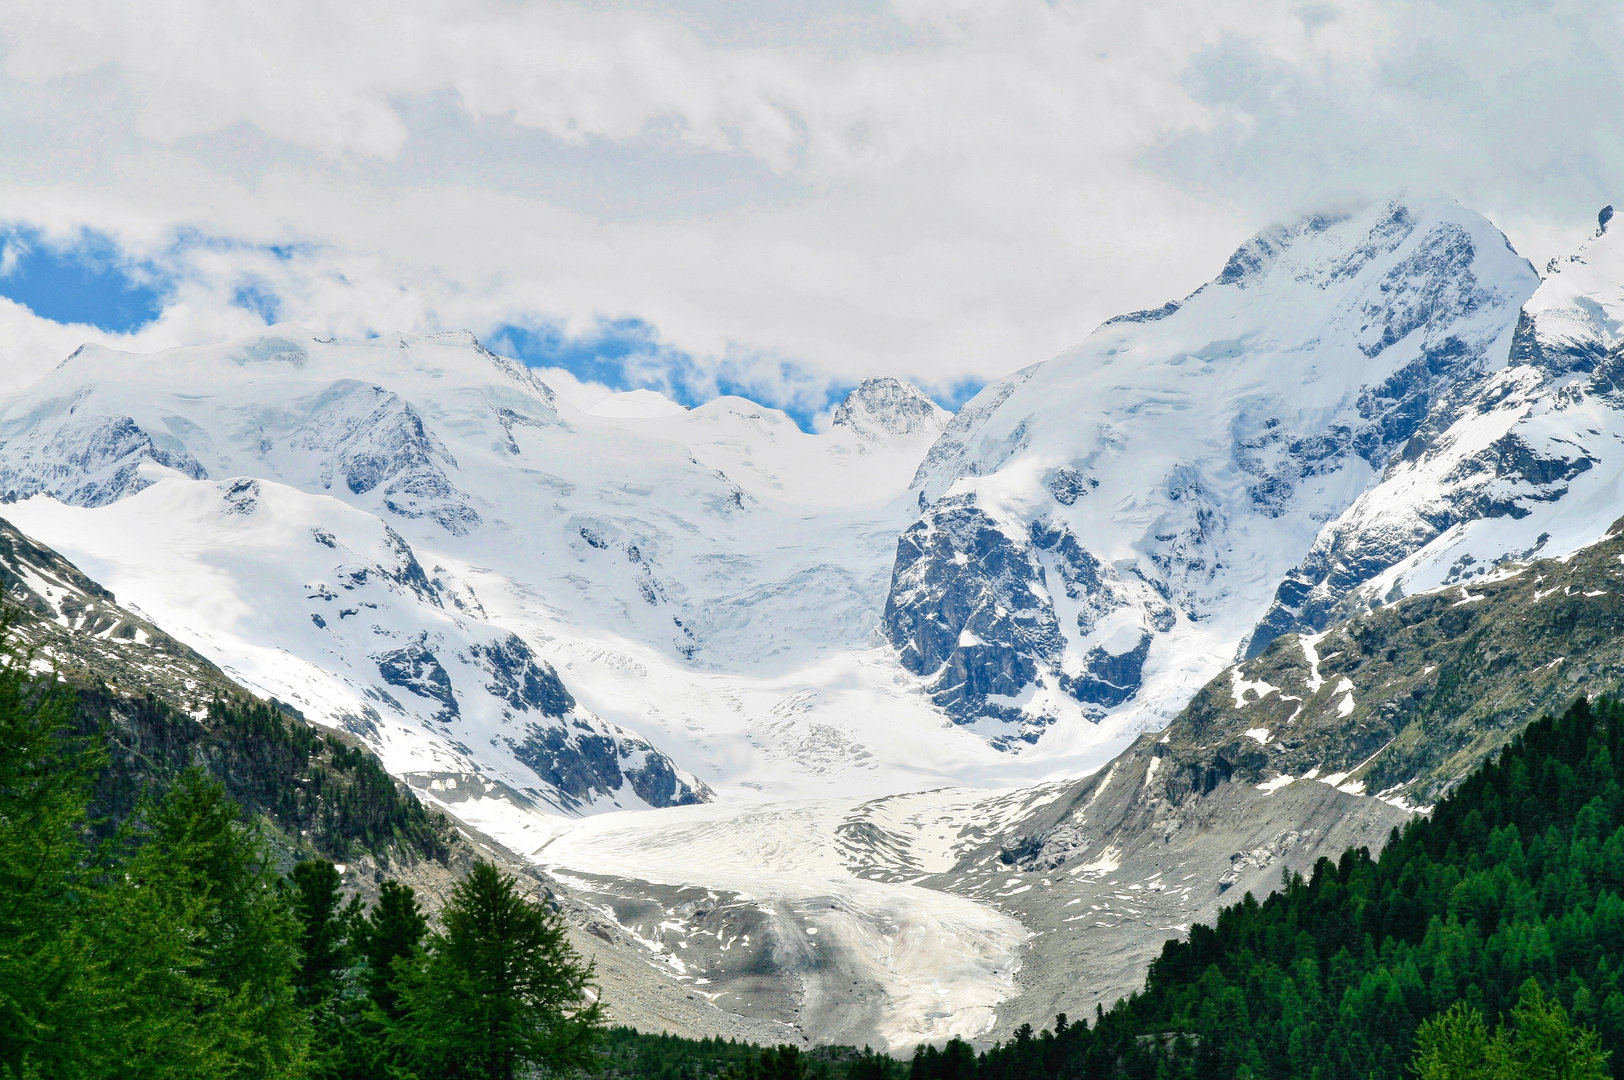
501	991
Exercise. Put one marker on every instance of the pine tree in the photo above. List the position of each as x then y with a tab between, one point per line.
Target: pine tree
48	1007
215	877
501	991
1545	1045
393	934
1454	1045
166	951
323	937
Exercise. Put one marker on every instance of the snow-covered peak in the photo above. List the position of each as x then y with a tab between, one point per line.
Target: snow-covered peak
1307	315
1522	461
287	355
889	407
1100	531
1579	308
706	580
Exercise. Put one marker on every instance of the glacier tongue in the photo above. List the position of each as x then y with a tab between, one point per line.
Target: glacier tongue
1099	533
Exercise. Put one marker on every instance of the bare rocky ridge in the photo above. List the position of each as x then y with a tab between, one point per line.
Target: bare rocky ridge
1403	701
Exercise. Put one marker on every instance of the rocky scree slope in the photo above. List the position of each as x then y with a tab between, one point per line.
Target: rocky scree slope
1403	701
1098	533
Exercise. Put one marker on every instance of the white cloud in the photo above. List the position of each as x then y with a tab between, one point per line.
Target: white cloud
934	189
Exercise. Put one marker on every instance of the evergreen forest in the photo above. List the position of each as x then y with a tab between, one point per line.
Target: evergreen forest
166	943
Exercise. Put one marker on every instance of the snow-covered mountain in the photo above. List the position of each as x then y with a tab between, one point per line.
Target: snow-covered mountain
831	667
1098	533
416	540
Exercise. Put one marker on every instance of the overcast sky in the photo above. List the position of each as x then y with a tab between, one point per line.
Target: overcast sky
772	198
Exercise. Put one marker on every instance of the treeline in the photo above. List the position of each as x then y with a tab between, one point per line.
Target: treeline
311	784
626	1052
167	944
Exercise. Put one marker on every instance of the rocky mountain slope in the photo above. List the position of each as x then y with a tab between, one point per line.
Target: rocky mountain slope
1323	742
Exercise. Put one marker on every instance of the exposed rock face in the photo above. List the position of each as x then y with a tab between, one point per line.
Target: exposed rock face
375	441
415	669
983	639
522	680
583	763
91	460
888	407
1507	464
1098	533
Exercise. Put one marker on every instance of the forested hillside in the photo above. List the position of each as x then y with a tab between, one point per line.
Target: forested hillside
170	944
1517	875
162	708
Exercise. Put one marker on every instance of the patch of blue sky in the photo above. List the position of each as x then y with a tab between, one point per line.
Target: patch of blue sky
259	298
607	355
87	281
627	354
953	396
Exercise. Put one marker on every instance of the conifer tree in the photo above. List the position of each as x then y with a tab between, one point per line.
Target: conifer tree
394	932
323	937
214	876
1541	1044
501	992
48	1004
